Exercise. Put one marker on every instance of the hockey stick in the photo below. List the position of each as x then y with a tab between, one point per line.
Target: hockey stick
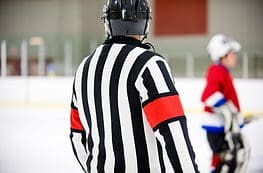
249	117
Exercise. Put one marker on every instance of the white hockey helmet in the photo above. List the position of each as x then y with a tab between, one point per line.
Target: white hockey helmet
219	45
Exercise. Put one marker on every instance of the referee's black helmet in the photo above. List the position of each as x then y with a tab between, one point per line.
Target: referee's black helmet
126	17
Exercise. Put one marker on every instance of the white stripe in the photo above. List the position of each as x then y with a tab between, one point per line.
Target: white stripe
140	87
80	150
151	146
167	164
109	163
91	99
78	84
157	74
213	99
77	142
74	100
181	147
169	70
123	104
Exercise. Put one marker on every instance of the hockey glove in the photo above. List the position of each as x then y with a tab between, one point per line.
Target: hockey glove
230	117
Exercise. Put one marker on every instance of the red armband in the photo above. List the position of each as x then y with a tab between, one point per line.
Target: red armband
75	122
163	109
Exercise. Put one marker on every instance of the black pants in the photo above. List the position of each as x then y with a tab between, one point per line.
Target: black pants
220	146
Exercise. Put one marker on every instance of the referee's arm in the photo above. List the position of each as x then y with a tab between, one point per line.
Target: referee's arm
164	112
77	133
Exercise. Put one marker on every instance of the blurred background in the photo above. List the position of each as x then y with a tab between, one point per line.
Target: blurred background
43	42
60	33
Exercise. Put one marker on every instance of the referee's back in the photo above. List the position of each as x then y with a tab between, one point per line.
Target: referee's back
126	114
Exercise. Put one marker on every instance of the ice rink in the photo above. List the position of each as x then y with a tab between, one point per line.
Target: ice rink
36	140
34	125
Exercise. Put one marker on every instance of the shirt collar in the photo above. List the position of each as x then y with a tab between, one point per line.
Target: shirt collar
126	40
220	64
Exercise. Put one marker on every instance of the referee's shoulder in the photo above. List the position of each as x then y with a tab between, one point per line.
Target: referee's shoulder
149	51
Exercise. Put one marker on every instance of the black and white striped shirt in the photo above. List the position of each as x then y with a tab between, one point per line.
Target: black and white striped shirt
126	115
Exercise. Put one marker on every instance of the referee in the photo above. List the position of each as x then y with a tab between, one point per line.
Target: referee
126	115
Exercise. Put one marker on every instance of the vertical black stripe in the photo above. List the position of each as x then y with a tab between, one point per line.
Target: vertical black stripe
74	90
160	153
115	119
86	108
183	123
166	76
136	114
72	103
170	148
149	84
98	106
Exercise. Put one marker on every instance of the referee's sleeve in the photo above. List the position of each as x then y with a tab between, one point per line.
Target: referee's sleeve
163	109
77	133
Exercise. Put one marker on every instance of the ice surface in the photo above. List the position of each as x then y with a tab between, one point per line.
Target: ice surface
36	140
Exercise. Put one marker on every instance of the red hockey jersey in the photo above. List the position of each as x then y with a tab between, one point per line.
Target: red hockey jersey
219	88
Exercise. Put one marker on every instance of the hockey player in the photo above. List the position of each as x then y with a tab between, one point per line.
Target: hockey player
126	114
223	120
